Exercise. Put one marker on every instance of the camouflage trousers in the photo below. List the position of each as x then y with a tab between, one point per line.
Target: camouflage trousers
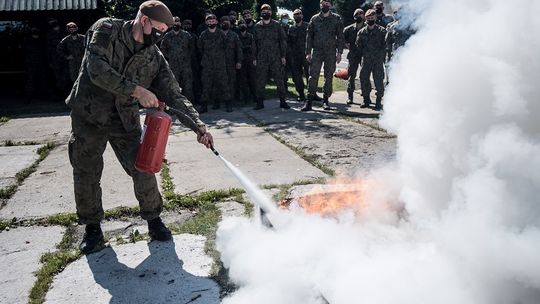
296	65
184	76
214	85
377	69
318	59
352	70
248	80
274	69
86	147
232	81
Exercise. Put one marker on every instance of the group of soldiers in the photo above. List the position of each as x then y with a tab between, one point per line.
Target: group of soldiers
233	59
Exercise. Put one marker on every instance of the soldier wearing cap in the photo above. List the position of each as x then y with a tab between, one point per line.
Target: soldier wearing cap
71	49
187	25
248	19
324	45
382	19
296	50
372	45
354	56
284	21
247	79
122	67
215	85
233	56
271	42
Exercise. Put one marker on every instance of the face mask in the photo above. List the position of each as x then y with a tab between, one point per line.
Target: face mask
225	27
212	26
266	16
325	9
297	19
371	22
176	27
379	10
284	21
243	28
153	37
358	19
73	32
248	20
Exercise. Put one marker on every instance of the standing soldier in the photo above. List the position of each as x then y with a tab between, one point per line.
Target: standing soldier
121	68
398	32
382	19
371	43
54	36
177	49
296	44
248	19
325	39
354	56
271	43
214	70
71	48
233	18
187	25
248	78
284	21
233	55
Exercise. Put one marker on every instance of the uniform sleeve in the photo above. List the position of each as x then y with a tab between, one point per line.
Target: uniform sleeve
168	91
164	46
309	37
282	42
340	37
238	47
389	41
61	49
359	42
100	52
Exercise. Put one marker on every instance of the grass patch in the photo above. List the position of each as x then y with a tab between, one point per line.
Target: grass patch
337	85
4	119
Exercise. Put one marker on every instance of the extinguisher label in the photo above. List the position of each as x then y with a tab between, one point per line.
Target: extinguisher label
142	133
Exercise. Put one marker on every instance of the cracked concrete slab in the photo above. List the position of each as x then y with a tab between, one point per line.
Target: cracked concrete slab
15	159
42	129
20	252
155	272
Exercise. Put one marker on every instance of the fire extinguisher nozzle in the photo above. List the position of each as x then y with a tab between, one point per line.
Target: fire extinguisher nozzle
214	150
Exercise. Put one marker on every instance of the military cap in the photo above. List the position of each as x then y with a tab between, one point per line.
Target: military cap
71	24
176	19
378	3
320	2
233	13
158	11
210	16
266	7
297	11
246	11
187	21
371	12
283	15
224	18
358	11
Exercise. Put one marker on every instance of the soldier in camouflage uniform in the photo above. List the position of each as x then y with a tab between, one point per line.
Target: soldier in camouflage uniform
284	21
212	45
398	32
187	25
178	49
120	66
233	55
371	43
382	19
271	42
248	78
71	48
354	56
325	39
248	19
296	46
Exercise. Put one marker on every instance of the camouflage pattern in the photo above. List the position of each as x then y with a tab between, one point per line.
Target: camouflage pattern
271	43
214	68
324	39
233	55
196	67
71	48
178	50
384	20
373	47
102	110
248	78
354	56
296	55
396	36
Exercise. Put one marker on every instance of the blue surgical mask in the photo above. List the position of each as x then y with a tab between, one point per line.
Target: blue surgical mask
284	21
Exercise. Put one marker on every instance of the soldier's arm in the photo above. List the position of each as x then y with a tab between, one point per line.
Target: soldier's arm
253	46
168	91
340	37
100	54
164	46
359	42
309	37
389	41
282	42
61	49
238	49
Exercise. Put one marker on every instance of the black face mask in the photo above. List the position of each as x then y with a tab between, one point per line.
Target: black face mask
358	19
225	27
325	9
371	22
212	26
379	11
297	19
176	27
266	16
242	28
187	28
152	38
248	20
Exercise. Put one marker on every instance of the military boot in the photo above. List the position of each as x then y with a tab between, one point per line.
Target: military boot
317	98
260	105
158	231
307	106
367	102
378	104
283	104
351	99
93	239
326	105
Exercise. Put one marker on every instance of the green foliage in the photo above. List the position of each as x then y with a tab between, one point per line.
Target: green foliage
311	7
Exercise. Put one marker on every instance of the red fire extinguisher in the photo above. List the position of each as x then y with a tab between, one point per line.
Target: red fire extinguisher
154	137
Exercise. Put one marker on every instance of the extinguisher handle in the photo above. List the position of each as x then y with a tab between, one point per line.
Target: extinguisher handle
161	106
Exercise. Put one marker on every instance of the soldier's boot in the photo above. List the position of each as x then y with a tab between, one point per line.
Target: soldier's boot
260	105
367	102
301	97
326	105
229	106
378	104
158	231
93	239
350	99
216	105
307	106
283	104
317	98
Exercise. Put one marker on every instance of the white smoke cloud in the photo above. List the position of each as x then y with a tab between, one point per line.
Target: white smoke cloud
464	102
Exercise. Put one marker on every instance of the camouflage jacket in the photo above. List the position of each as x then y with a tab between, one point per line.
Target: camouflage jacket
325	34
371	43
212	49
113	65
384	20
71	47
233	49
350	33
297	39
396	36
248	46
177	49
271	41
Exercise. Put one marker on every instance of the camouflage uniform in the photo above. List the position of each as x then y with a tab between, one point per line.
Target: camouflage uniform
354	56
248	78
396	36
195	67
384	20
214	68
371	43
271	42
296	55
102	110
71	48
233	55
324	38
177	49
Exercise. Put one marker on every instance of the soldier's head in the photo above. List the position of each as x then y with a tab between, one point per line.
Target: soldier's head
177	24
211	21
371	17
72	28
284	18
187	25
233	16
53	23
325	5
266	12
359	15
225	22
298	15
242	27
152	21
246	14
379	7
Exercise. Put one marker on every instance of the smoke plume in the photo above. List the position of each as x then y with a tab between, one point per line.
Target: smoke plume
463	100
